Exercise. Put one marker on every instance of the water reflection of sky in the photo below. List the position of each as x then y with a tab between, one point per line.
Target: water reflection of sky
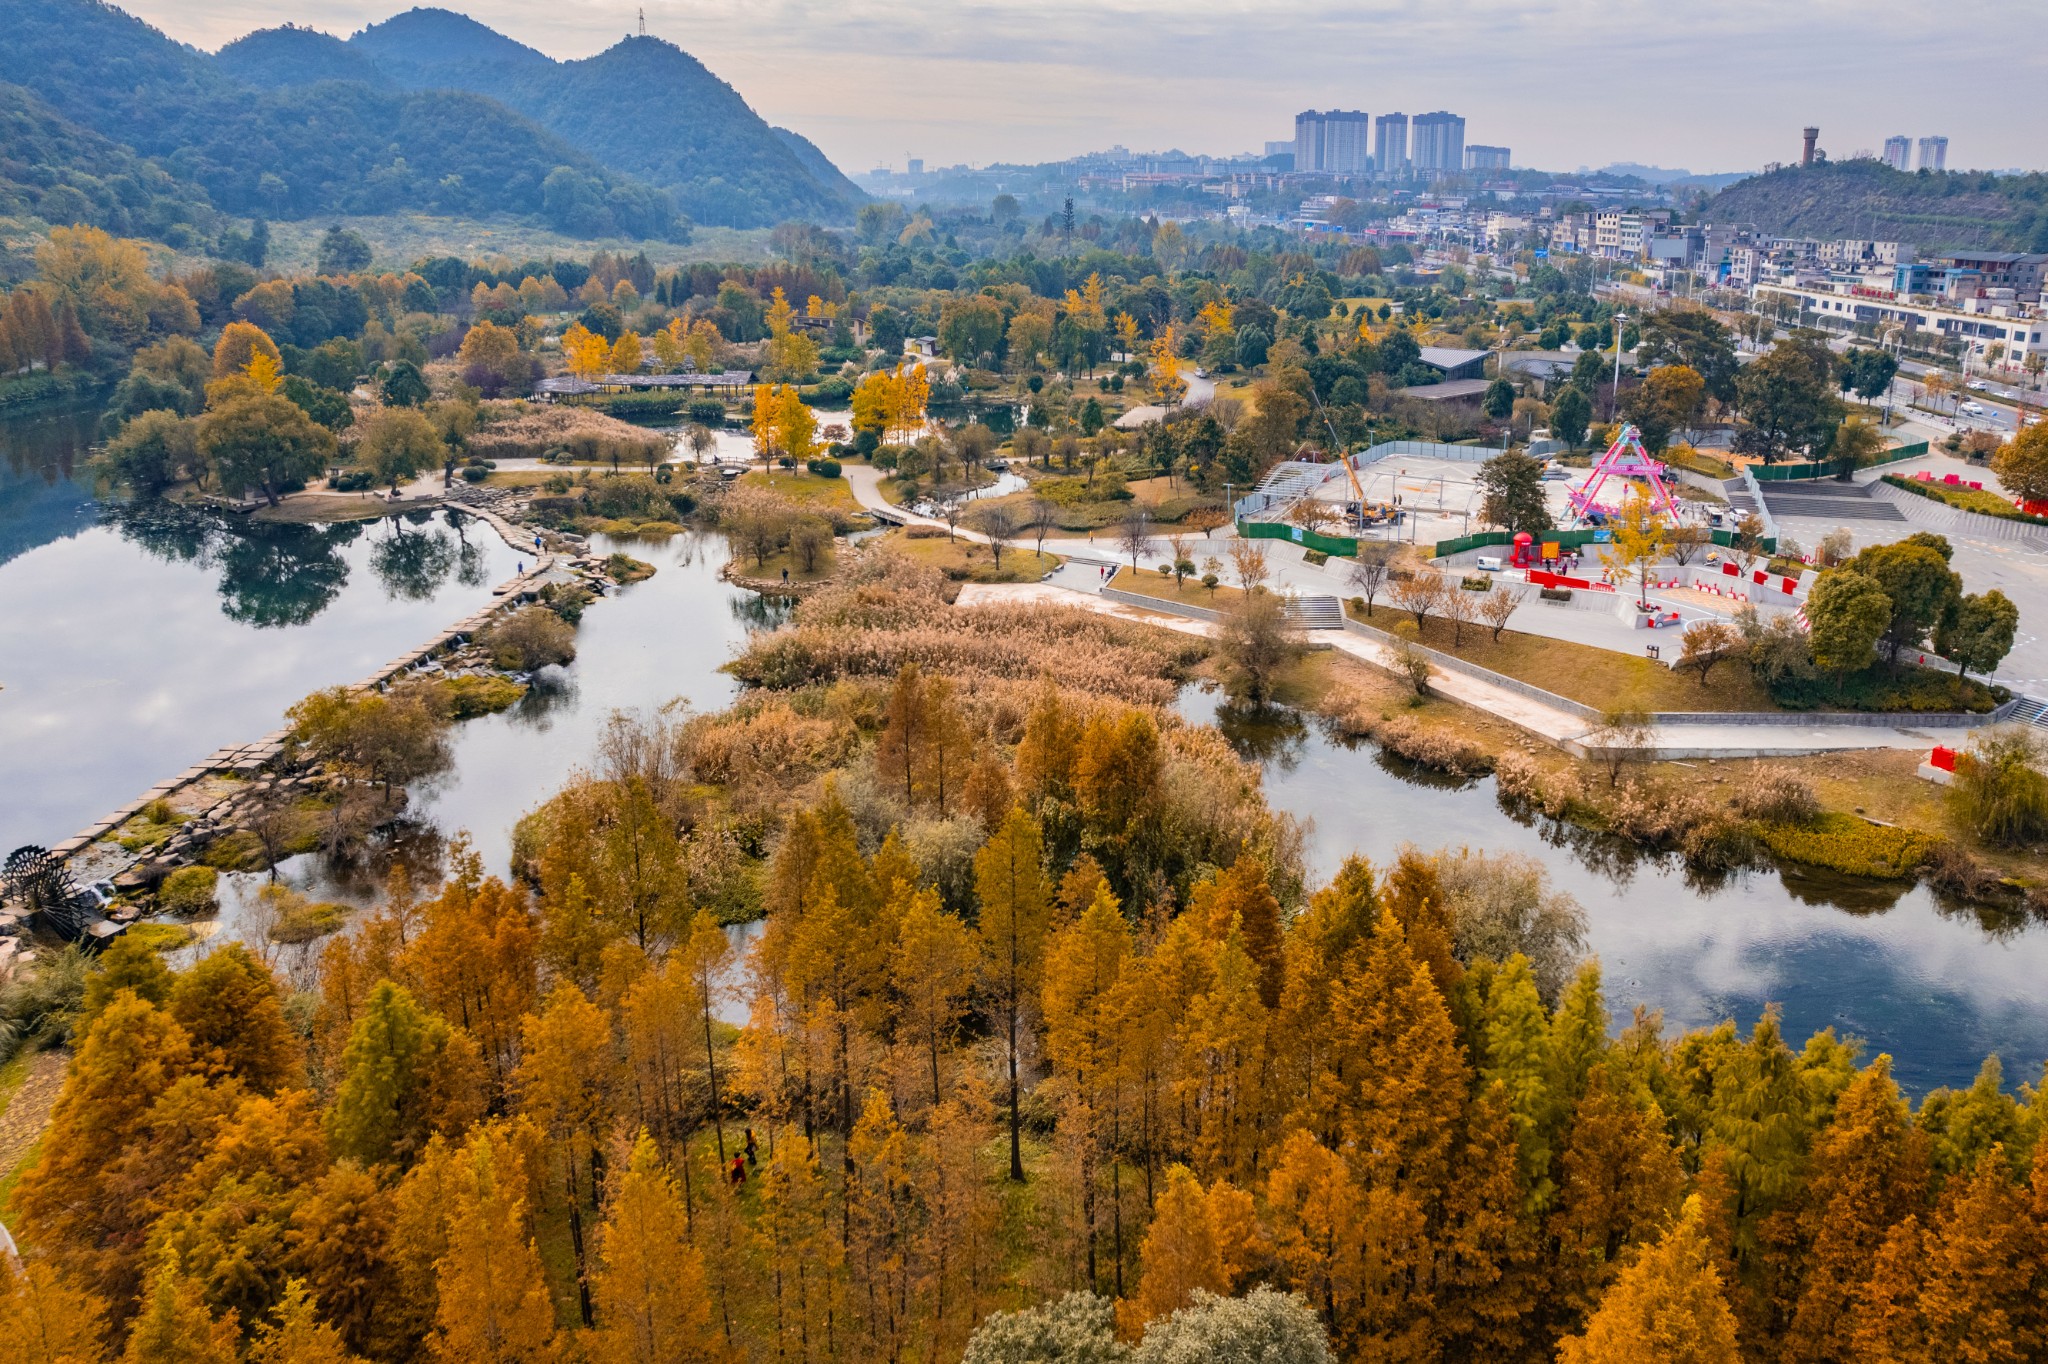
139	645
1935	986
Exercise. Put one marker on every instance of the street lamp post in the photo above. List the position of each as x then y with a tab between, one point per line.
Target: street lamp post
1614	397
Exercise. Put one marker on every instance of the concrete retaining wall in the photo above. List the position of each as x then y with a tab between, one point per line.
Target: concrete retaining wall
1161	604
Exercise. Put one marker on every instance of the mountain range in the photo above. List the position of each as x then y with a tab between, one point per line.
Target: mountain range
428	110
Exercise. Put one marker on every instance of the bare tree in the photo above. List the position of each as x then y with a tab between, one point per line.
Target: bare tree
1134	535
1248	561
1045	516
1495	607
1623	734
1369	574
1419	594
999	524
1683	542
1460	605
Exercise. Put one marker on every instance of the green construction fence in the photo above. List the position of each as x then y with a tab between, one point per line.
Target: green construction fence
1792	473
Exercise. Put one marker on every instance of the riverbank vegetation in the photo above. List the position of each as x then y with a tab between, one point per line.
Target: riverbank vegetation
1044	1007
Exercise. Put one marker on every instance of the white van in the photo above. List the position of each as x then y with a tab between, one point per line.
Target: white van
1488	563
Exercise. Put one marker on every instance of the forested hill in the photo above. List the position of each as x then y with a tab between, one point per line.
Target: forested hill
52	169
335	147
429	110
1867	199
644	107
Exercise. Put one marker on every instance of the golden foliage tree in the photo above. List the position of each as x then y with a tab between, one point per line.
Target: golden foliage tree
1665	1306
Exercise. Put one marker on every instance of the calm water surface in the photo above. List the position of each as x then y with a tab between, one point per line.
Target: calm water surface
1936	985
136	640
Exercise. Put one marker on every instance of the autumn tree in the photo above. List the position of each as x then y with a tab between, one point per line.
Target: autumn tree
1010	881
652	1303
1667	1305
46	1320
494	1306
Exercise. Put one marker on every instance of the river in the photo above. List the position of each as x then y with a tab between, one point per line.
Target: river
123	661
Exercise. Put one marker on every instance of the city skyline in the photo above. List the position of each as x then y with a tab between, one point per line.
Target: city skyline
877	81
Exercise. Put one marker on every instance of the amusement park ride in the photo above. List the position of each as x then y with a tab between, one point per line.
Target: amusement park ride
1625	459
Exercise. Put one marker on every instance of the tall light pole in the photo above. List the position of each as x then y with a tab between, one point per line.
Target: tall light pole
1614	396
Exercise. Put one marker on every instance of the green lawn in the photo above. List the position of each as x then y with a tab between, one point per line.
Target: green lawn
805	489
1188	593
968	561
1594	677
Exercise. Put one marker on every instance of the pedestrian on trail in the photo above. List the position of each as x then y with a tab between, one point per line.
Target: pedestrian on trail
785	575
752	1154
739	1170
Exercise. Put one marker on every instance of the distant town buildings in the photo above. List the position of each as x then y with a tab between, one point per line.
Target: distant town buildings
1438	143
1898	152
1482	158
1390	146
1933	154
1335	142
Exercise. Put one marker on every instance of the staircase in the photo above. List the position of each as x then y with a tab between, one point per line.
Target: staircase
2026	710
1316	612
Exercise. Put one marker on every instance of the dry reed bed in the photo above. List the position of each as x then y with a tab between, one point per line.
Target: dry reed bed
892	612
519	431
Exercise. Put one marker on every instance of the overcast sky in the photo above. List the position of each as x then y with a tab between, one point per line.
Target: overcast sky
1563	83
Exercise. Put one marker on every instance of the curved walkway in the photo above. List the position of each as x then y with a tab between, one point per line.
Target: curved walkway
1548	723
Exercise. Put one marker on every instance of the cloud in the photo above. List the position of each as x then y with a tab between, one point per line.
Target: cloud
1562	82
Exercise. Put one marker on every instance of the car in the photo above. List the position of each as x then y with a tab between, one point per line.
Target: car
1974	409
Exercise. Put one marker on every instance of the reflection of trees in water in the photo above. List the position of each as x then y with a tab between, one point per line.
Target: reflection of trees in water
549	691
270	581
359	871
1273	735
758	612
413	565
271	575
50	445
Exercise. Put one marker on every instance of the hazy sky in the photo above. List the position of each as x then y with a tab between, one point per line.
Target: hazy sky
1562	82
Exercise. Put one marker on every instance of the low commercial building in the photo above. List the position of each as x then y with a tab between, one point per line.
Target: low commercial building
1976	323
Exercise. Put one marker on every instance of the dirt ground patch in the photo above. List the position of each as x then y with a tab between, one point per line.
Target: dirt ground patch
27	1108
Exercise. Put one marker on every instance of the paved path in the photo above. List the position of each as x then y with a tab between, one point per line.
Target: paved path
1071	588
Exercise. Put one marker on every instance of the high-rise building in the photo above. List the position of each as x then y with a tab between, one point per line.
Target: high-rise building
1390	148
1439	144
1334	142
1483	158
1933	154
1898	152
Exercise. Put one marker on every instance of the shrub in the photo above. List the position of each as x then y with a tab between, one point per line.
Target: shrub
823	468
475	474
1476	584
1554	593
1850	845
1316	557
1999	791
189	891
1778	799
352	481
469	697
531	637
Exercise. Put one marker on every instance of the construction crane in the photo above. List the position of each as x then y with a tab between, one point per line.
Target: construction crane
1357	491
